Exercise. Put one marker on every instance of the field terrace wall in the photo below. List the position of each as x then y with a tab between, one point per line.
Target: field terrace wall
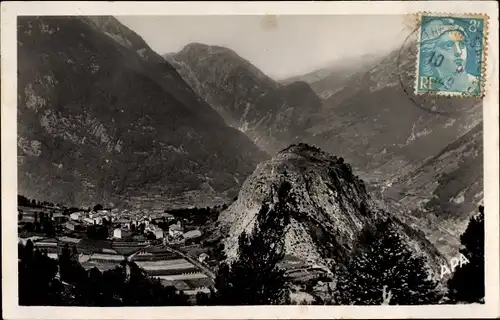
173	270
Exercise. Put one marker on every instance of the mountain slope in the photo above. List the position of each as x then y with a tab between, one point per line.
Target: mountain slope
331	207
324	80
375	121
441	195
368	112
270	113
102	118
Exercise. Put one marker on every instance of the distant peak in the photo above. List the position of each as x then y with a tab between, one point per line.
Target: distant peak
197	47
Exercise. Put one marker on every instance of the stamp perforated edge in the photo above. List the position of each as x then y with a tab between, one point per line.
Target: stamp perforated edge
484	55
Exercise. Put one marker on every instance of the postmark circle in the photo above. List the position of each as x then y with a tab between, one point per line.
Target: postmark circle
407	71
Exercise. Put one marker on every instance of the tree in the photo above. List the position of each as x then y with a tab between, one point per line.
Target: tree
37	223
23	201
141	228
467	283
202	299
383	263
48	228
254	278
97	232
37	275
70	269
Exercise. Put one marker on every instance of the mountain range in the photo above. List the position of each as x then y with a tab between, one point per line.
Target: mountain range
270	113
365	111
102	118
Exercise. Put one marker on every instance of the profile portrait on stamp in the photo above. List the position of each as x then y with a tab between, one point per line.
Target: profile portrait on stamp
451	55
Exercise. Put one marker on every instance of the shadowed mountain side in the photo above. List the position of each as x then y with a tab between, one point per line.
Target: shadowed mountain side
100	120
270	113
442	194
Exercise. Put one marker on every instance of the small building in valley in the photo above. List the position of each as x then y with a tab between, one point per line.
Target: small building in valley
70	225
117	233
202	257
158	233
88	221
75	216
193	234
59	218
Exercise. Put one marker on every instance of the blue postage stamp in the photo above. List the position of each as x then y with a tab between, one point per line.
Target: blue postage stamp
451	55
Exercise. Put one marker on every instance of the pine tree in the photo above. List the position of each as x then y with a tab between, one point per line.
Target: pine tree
70	269
255	278
384	271
467	283
36	272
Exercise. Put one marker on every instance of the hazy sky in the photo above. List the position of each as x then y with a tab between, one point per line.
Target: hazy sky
280	47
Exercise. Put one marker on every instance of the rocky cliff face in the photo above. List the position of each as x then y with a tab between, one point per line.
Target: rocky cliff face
271	114
102	118
331	207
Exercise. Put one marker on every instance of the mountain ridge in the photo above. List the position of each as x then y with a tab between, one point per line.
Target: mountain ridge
271	114
99	122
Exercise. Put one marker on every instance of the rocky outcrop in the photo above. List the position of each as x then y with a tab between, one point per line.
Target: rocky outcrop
330	208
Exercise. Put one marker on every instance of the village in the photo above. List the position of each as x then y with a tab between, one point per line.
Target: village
168	246
174	246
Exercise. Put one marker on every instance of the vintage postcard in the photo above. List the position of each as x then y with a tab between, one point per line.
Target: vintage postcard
246	160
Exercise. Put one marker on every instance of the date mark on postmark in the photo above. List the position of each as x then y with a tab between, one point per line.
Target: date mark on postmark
451	55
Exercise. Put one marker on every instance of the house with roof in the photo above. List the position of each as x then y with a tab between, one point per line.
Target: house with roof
121	233
177	227
158	233
69	240
168	217
202	257
117	233
193	234
59	218
71	225
88	220
75	216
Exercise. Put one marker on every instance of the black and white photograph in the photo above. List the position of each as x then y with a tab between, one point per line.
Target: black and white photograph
253	159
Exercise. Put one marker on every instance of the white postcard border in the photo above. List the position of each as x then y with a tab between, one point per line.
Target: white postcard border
9	12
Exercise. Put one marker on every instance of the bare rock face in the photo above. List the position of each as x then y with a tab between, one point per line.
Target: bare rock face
330	207
272	114
102	118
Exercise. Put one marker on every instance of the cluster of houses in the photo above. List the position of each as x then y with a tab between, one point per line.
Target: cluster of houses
124	224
